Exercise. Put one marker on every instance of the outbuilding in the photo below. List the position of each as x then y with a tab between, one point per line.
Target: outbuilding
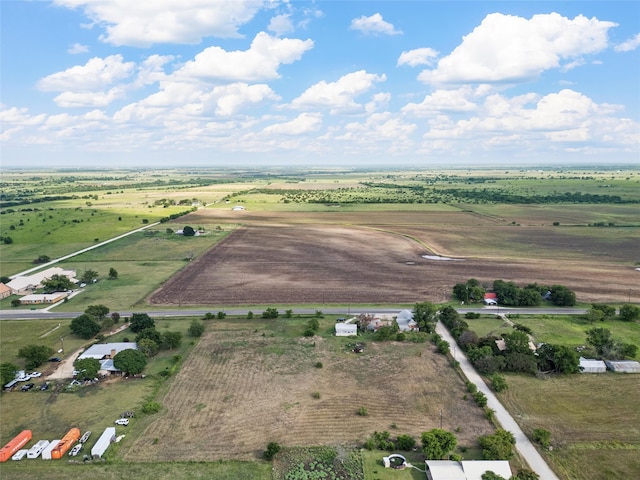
346	329
106	439
466	470
623	366
46	453
588	365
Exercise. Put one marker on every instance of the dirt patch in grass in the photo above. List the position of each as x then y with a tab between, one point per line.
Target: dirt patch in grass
241	390
368	257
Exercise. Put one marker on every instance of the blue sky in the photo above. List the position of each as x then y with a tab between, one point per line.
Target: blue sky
101	83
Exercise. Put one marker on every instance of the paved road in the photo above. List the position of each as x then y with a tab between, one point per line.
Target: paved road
353	310
523	445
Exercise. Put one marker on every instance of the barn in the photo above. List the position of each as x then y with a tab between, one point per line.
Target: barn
623	366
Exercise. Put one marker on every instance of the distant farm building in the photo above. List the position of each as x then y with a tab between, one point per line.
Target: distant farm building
623	366
406	322
588	365
24	284
104	352
4	291
42	298
490	298
375	321
238	207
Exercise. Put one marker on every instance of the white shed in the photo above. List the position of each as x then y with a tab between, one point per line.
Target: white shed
444	470
46	453
588	365
107	437
346	329
623	366
474	469
37	449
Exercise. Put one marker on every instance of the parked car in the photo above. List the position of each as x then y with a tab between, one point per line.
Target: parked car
28	387
35	374
44	386
122	421
75	450
55	359
127	414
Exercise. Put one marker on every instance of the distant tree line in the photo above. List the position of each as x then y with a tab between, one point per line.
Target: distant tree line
509	294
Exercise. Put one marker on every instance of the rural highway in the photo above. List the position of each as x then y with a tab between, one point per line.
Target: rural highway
347	311
523	445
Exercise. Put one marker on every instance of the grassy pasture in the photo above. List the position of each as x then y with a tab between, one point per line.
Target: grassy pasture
594	421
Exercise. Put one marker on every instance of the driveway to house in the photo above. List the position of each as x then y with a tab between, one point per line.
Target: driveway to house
523	445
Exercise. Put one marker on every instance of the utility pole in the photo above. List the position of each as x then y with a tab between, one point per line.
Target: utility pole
440	419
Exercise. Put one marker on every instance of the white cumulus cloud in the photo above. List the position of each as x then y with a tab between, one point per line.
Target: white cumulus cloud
506	48
281	24
417	56
142	23
77	48
374	25
302	124
339	95
96	74
260	62
629	45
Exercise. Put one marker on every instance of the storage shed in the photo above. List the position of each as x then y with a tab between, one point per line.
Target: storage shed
346	329
444	470
474	469
623	366
107	437
588	365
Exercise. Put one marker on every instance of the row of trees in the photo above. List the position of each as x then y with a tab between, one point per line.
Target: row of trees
599	312
508	293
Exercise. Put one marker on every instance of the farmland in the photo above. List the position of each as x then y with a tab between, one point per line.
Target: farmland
314	239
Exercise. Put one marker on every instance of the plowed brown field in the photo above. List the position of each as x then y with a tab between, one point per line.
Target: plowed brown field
241	390
289	258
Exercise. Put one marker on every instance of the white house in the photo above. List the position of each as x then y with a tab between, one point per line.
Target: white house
466	470
346	329
104	352
588	365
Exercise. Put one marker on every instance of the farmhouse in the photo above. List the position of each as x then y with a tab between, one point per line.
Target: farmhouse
104	352
23	284
406	322
623	366
466	469
40	298
588	365
4	291
373	322
491	298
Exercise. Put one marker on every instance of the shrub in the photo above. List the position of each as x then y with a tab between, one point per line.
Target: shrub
406	442
221	315
498	383
480	399
400	337
272	449
151	407
363	412
315	395
309	333
318	365
542	436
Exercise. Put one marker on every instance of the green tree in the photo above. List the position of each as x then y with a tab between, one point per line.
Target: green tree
148	347
57	283
88	367
7	372
499	383
270	312
600	339
542	436
557	358
607	310
497	446
405	442
313	325
188	231
113	274
97	311
89	276
562	296
629	313
150	334
115	316
41	259
171	340
84	326
593	315
489	475
35	355
436	443
196	329
529	297
525	474
130	361
141	321
424	314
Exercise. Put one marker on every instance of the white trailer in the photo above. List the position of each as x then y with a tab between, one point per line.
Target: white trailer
20	454
108	436
46	453
37	449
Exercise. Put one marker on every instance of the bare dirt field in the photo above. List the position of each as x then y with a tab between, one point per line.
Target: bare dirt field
248	383
290	258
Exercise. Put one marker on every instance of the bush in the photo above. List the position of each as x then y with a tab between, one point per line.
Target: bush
498	383
151	407
480	399
542	436
315	395
272	449
318	365
363	412
406	442
221	315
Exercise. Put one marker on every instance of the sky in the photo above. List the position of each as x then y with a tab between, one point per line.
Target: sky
231	83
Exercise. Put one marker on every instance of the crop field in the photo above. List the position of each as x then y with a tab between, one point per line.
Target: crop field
377	257
248	383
